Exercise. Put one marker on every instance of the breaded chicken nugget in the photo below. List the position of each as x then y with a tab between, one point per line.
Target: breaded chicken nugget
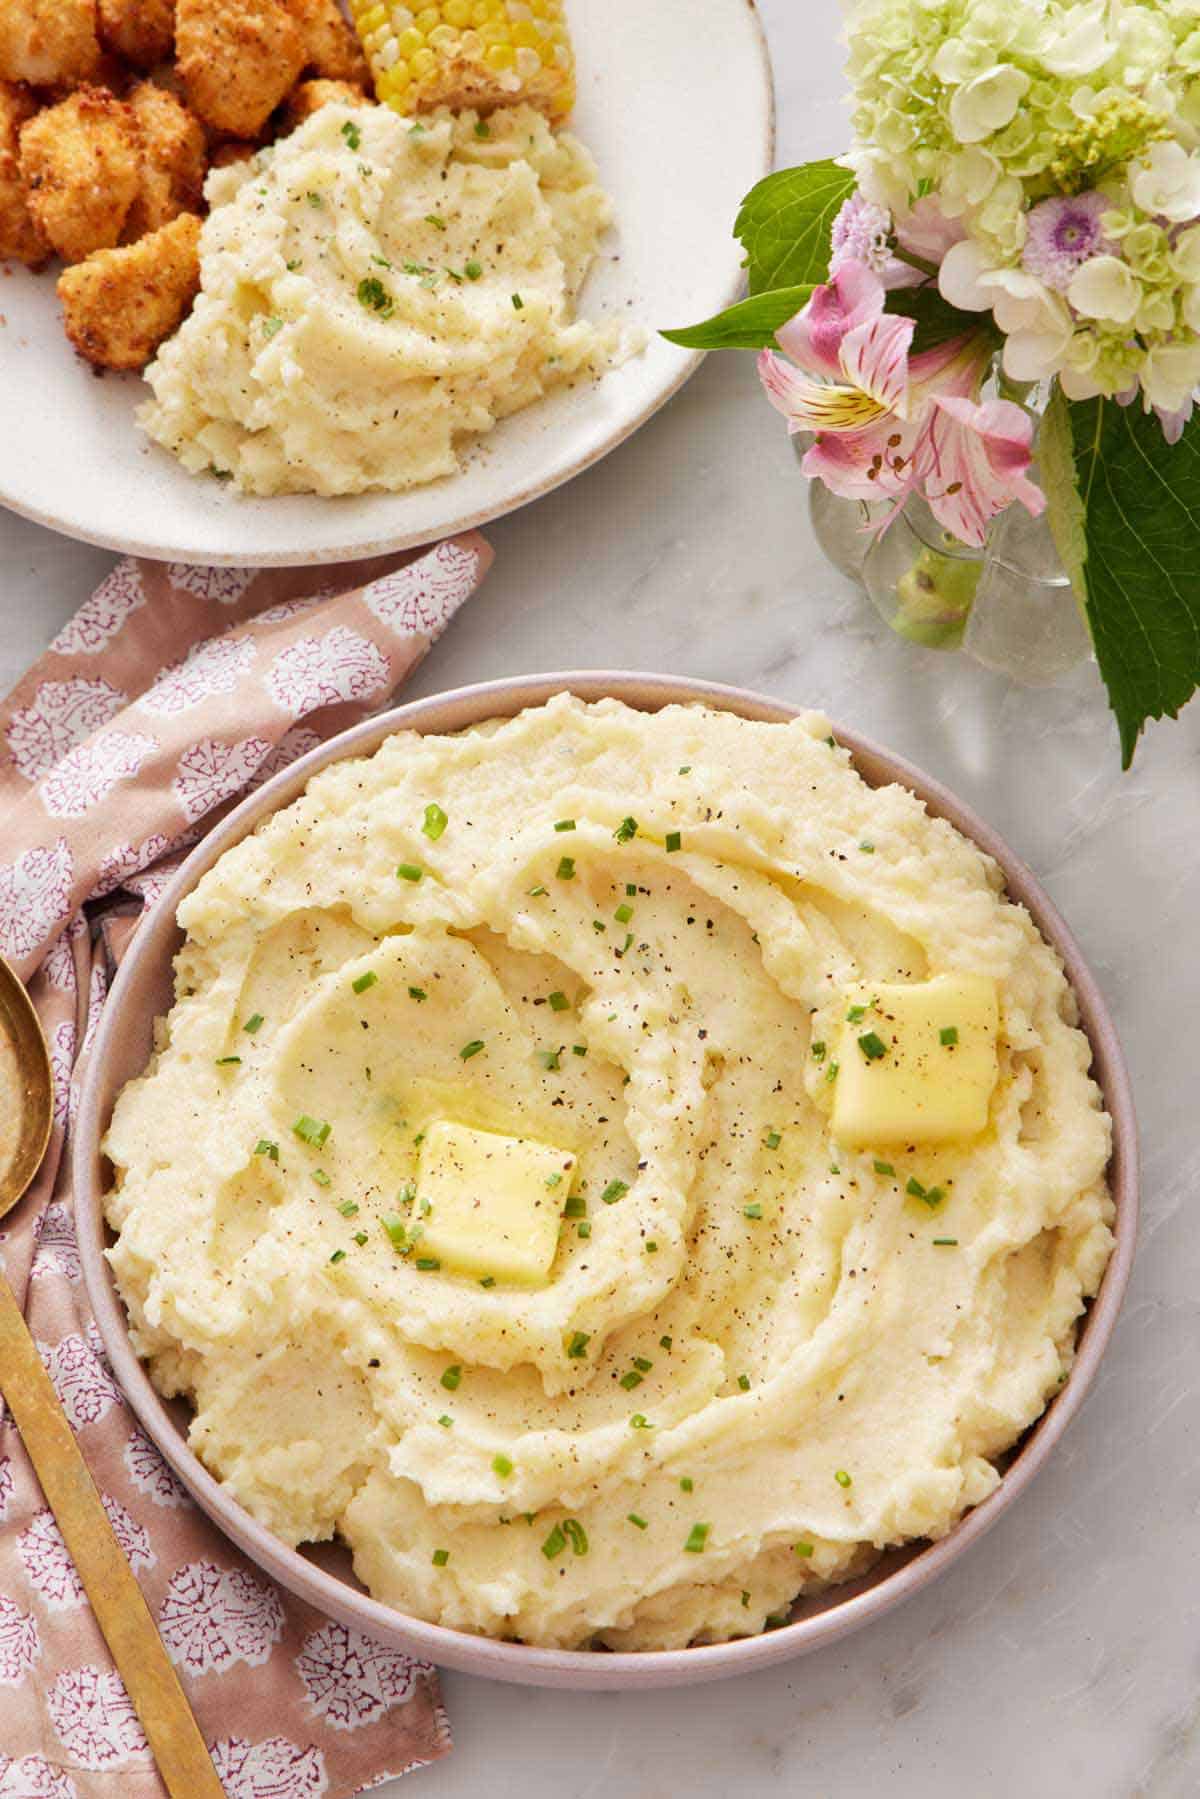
309	96
173	159
19	236
119	305
331	46
51	43
141	31
81	168
238	59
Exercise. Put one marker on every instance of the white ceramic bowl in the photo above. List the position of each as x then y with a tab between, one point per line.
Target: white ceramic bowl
323	1577
675	104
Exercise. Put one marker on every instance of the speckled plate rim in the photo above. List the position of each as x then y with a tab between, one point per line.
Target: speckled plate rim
584	1669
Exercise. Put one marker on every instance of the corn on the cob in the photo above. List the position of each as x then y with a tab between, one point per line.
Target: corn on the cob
460	53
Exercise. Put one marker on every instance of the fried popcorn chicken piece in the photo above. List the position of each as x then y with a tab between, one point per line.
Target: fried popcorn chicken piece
81	168
173	157
119	305
231	152
331	46
51	43
20	238
140	31
309	96
238	59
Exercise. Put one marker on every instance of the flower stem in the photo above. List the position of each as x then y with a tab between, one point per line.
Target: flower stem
914	262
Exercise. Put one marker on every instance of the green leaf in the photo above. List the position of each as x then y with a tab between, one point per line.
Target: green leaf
750	325
1141	506
936	320
785	222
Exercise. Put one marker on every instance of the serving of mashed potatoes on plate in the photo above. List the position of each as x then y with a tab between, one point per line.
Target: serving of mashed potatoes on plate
619	1172
374	291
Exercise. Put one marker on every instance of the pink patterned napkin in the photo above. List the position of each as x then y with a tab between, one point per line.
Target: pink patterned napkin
171	693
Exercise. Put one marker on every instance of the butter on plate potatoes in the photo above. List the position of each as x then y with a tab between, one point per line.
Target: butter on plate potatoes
625	1173
374	292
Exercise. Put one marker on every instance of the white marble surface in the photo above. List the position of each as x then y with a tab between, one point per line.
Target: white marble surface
1063	1655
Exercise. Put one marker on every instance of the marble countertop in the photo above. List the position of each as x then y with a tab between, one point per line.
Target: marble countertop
1063	1654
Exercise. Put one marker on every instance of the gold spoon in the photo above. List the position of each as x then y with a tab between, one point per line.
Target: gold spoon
26	1115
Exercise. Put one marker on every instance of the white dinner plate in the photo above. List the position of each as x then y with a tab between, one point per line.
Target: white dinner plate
675	104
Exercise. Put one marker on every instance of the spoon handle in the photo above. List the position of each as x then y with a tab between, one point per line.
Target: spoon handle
121	1611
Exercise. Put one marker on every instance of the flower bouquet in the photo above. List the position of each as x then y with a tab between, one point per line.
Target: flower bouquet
1011	244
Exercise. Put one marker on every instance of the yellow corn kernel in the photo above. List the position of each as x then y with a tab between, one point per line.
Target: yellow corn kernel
427	18
499	56
468	53
457	13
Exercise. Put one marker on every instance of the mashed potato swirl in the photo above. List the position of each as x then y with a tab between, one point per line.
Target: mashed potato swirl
762	1363
373	292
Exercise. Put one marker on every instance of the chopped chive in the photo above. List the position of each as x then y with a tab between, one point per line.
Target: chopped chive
489	1280
872	1046
912	1185
856	1014
228	1061
472	271
352	134
945	1242
445	1421
264	1147
576	1535
753	1210
686	769
579	1049
565	824
686	1483
566	868
482	128
697	1538
374	296
577	1344
550	1059
435	219
435	821
361	983
642	1363
818	1052
576	1206
254	1023
772	1139
631	1380
585	1227
832	742
501	1466
314	199
428	1264
518	303
673	840
804	1549
949	1035
360	1237
626	830
744	1382
868	849
471	1049
395	1228
408	871
451	1376
842	1478
883	1167
631	889
633	1518
665	1342
555	1543
559	1002
626	944
831	1073
339	1255
440	1557
417	993
311	1130
537	892
651	1247
613	1192
321	1178
935	1196
639	1421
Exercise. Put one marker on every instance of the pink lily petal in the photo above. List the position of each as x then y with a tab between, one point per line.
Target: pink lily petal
853	297
972	461
814	405
875	358
873	463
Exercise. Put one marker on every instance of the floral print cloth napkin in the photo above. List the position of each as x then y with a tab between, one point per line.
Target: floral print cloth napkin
172	693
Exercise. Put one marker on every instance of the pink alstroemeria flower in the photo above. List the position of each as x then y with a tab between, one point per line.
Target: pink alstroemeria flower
884	421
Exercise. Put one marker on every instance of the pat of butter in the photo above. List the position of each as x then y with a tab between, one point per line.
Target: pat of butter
491	1205
916	1064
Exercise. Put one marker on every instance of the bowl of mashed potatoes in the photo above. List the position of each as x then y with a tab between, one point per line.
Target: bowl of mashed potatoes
626	1183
